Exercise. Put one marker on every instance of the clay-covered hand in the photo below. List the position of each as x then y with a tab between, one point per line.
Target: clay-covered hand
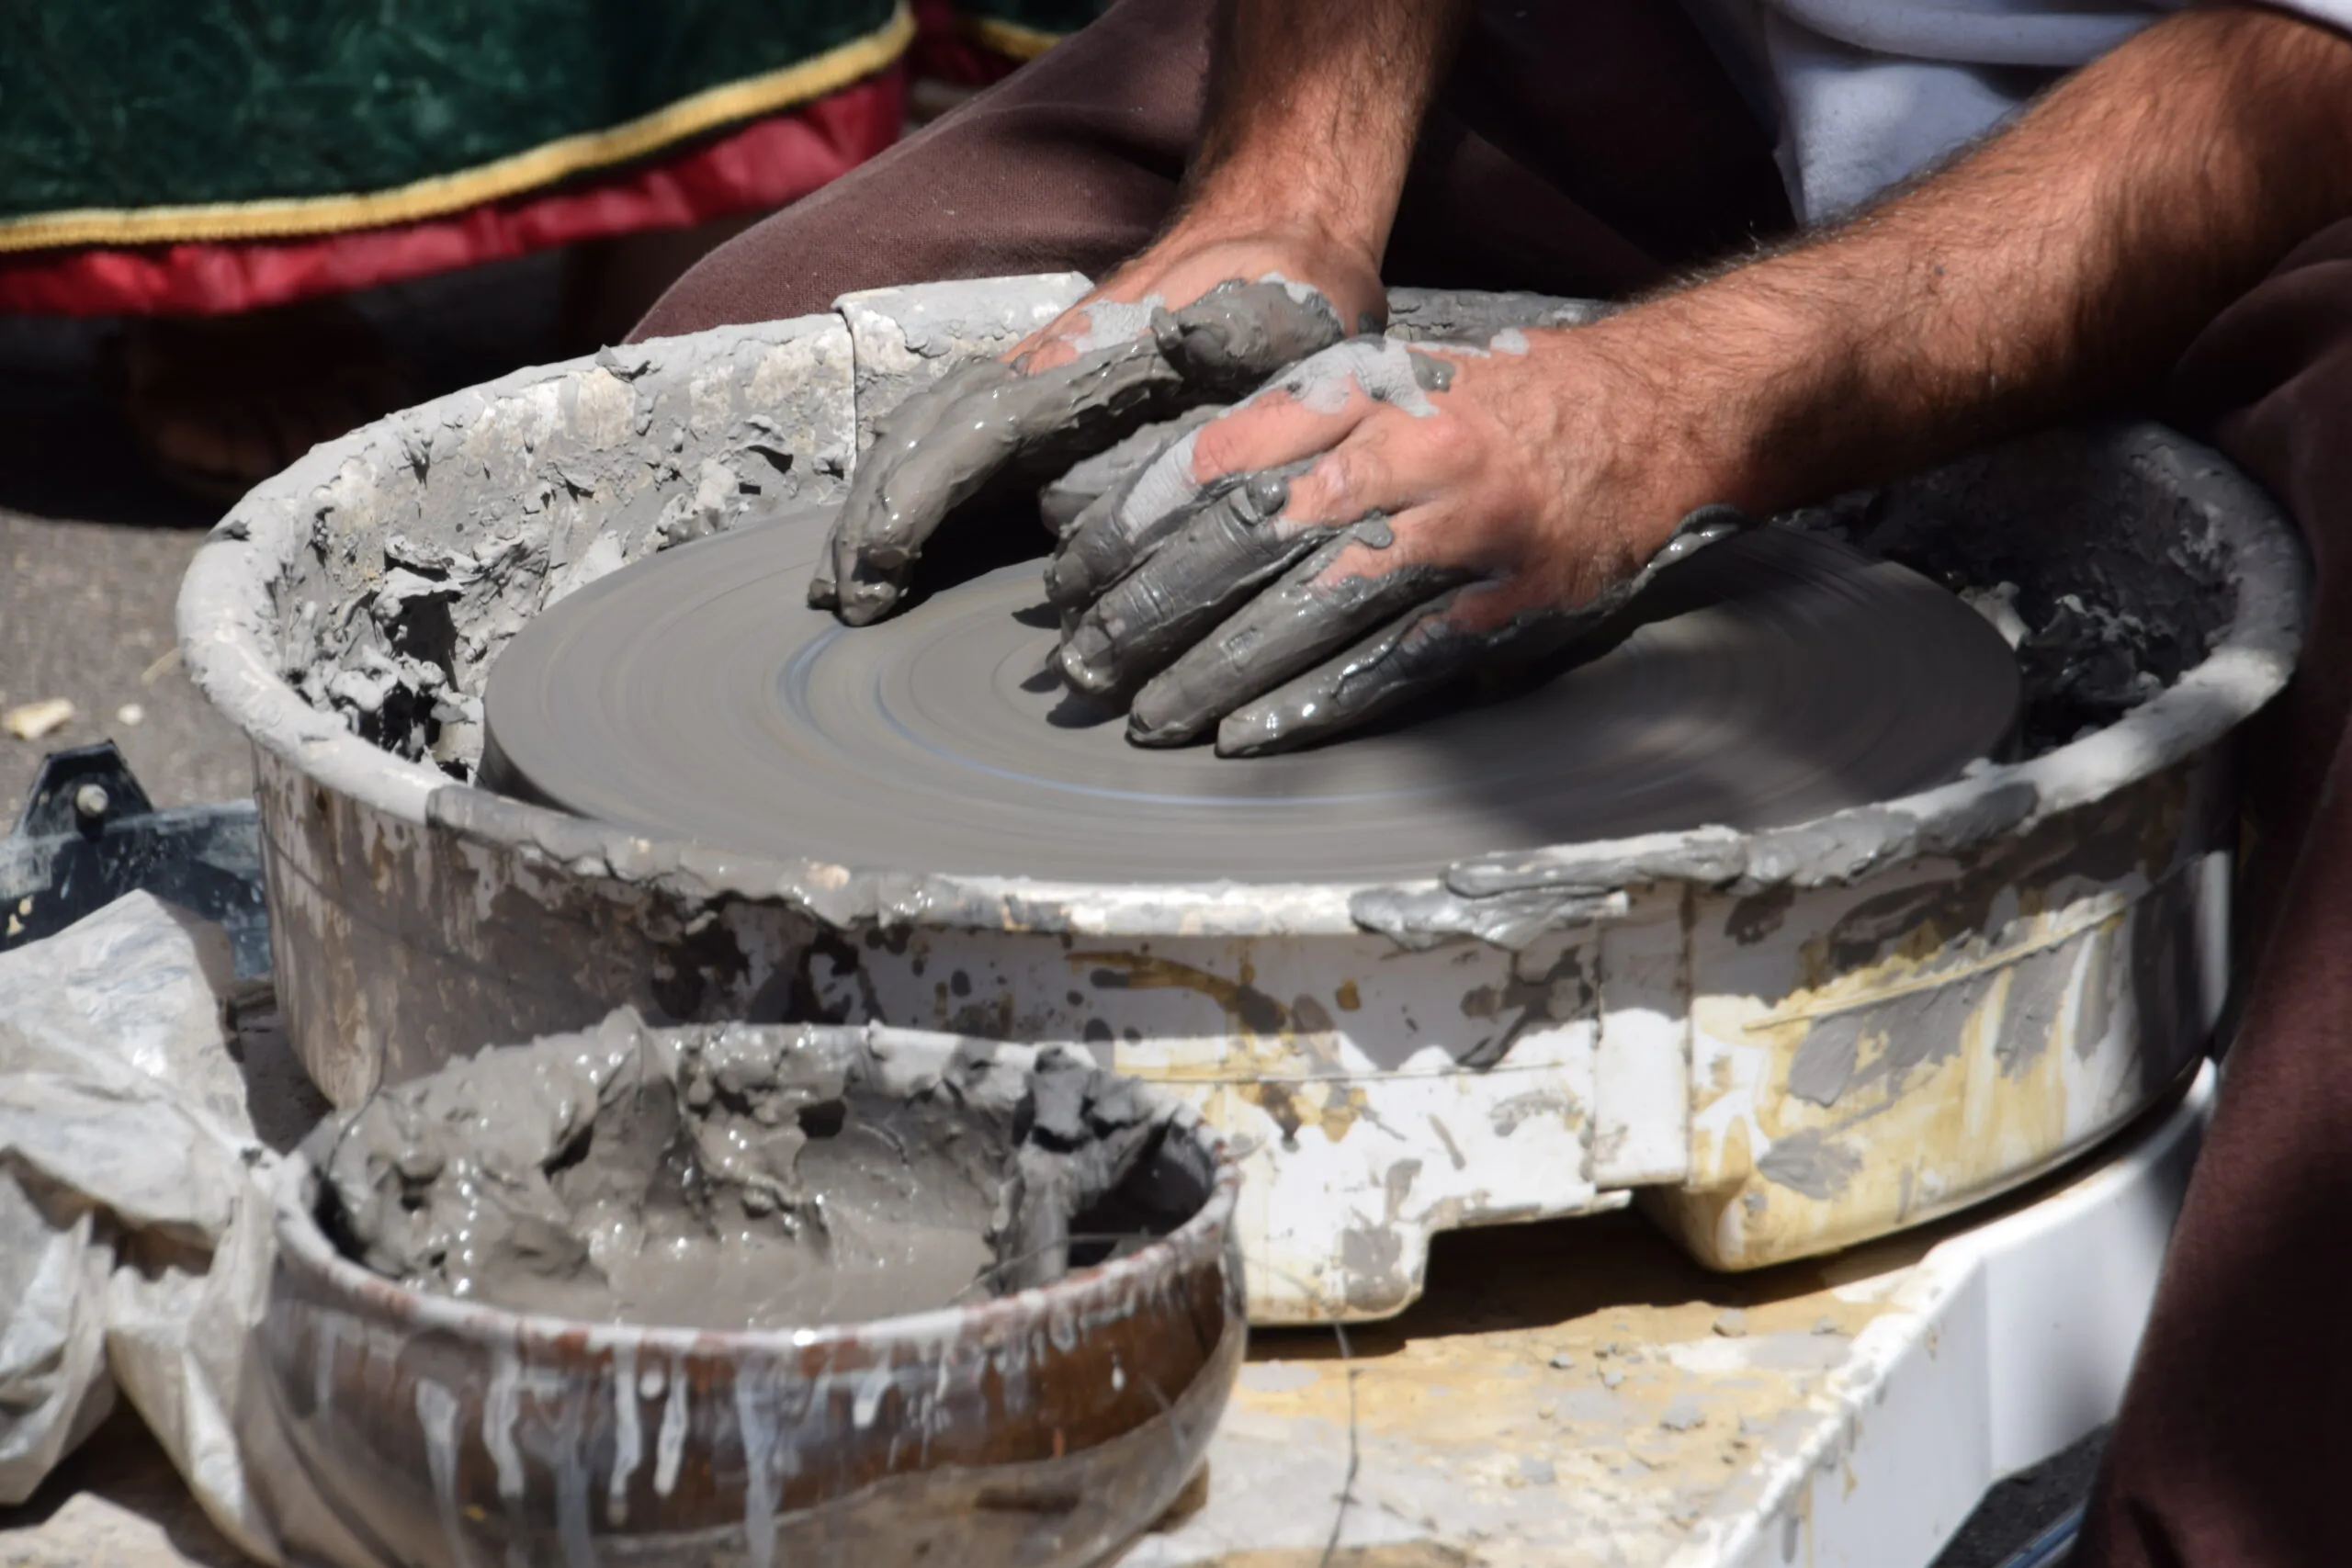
1116	365
1372	522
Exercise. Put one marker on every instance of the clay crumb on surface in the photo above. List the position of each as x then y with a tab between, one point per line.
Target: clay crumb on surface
1682	1416
34	721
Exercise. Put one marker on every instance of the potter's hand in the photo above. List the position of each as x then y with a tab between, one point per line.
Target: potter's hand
1196	259
1090	378
1367	525
1193	261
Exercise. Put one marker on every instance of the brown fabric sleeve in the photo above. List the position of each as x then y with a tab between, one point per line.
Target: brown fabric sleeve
2231	1447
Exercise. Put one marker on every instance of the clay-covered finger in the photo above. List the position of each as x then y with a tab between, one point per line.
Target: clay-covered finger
1288	628
974	423
1231	545
1238	334
1127	523
1304	411
1416	652
1426	646
896	434
1065	499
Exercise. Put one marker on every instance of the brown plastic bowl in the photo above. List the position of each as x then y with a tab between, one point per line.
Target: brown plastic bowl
1044	1428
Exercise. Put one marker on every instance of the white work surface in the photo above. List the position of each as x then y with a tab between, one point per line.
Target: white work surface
1850	1416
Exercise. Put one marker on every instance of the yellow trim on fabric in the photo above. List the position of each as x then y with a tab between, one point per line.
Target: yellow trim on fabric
1010	39
441	194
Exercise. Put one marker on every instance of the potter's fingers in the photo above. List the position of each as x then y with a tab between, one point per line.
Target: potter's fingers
1345	587
1316	403
1315	406
896	434
1483	625
1124	527
1414	653
1308	409
1237	335
1062	502
990	417
1376	368
1125	523
1095	322
1225	550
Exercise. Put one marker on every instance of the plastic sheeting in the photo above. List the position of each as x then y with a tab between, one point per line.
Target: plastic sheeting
136	1240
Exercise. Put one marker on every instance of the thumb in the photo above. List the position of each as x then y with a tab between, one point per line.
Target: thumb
1237	335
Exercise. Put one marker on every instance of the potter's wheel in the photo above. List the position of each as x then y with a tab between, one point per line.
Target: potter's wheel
1776	676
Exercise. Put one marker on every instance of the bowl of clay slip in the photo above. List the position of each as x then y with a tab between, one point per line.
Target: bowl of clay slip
758	1295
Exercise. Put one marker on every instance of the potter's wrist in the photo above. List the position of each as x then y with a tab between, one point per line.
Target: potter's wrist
1649	451
1243	208
1817	383
1713	404
1193	256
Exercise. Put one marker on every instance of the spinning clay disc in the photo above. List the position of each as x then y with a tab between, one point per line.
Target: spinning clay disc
1771	678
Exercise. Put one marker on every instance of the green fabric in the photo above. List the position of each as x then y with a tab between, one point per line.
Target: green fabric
139	103
1043	16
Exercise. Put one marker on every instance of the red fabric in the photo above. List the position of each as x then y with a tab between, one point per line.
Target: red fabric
943	51
765	163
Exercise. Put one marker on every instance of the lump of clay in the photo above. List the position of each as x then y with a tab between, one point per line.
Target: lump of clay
735	1176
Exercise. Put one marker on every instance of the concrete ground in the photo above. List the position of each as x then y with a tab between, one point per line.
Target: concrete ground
85	614
91	546
91	553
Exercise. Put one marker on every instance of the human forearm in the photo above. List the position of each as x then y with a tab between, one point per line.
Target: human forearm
1314	106
2064	262
1446	506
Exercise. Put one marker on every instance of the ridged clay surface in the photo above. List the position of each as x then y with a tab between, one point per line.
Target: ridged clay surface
1771	678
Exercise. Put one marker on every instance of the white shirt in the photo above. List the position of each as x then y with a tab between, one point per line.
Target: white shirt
1869	92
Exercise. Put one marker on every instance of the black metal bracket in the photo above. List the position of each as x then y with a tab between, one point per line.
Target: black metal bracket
81	791
88	834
